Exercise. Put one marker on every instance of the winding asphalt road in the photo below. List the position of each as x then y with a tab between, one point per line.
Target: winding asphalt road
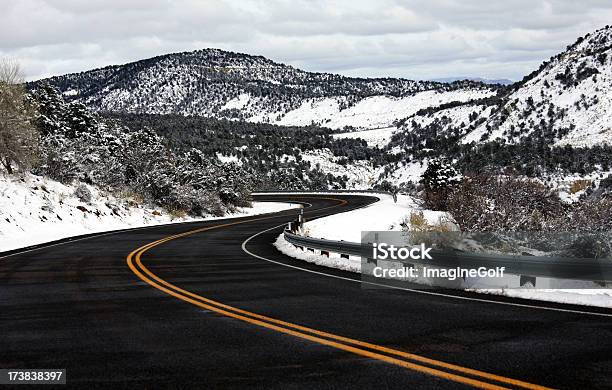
215	305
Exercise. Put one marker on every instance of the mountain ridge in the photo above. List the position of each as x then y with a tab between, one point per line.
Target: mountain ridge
229	85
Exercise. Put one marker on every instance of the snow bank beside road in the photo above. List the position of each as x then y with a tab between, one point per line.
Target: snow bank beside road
387	215
352	264
383	215
588	297
35	210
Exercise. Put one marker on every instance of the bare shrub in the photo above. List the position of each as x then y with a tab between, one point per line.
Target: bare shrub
590	215
83	193
176	213
579	185
18	134
493	203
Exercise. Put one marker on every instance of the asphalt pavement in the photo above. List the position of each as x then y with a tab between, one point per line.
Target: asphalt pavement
193	306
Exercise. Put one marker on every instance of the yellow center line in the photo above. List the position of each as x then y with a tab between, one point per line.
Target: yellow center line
294	329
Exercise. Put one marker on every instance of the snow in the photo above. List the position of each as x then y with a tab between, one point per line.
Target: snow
584	106
360	174
374	112
352	264
35	210
588	297
374	137
237	103
406	172
228	159
386	215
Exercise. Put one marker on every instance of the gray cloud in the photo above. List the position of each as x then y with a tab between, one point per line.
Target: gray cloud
402	38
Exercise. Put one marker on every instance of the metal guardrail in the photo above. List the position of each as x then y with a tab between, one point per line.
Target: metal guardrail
322	192
529	267
342	247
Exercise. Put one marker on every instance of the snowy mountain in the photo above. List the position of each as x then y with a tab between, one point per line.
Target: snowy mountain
552	124
567	101
481	79
229	85
569	96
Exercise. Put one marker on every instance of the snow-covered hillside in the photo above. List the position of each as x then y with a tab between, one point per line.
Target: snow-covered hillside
223	84
360	174
374	137
370	113
569	96
522	127
35	210
568	100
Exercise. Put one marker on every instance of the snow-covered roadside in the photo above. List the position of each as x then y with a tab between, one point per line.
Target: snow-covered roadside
384	215
352	264
35	210
588	297
387	215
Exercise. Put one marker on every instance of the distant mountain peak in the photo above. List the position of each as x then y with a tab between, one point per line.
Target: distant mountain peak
479	79
224	84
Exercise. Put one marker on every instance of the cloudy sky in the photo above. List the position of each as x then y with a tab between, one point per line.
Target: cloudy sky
401	38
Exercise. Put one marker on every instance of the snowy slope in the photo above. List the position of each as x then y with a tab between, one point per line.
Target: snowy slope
375	138
361	174
35	210
372	112
567	101
570	95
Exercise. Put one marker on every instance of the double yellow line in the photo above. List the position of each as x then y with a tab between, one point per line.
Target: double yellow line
407	360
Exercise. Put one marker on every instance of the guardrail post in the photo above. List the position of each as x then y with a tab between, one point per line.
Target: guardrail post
527	279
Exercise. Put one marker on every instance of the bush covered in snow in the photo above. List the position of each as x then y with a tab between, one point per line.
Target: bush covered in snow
83	193
77	145
439	180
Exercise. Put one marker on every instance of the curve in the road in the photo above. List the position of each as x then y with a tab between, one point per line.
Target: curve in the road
457	373
254	323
